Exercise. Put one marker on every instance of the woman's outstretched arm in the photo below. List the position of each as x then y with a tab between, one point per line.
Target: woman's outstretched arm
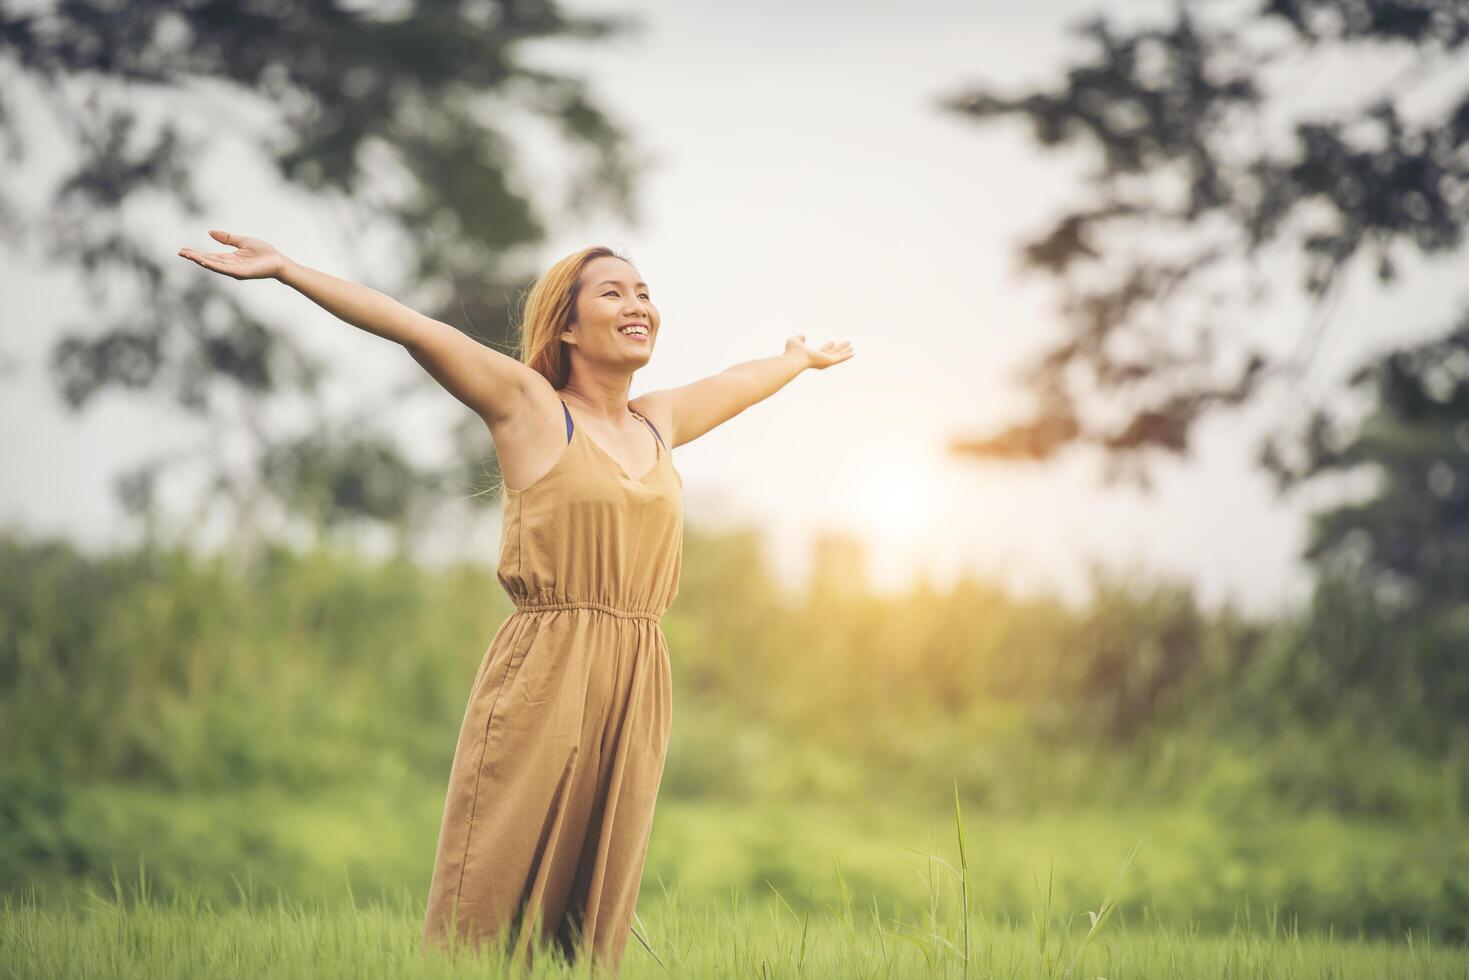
490	383
693	409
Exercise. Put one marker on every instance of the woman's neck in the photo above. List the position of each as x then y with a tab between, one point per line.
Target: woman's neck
605	398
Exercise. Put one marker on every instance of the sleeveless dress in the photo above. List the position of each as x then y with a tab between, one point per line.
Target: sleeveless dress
559	758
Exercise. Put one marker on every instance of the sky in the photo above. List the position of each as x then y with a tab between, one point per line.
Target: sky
800	180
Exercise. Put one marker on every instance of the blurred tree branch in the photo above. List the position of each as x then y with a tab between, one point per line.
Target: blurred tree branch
341	86
1187	188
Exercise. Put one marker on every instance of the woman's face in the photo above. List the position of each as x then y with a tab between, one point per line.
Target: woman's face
610	300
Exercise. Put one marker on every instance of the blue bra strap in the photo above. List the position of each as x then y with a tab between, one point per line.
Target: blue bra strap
567	412
655	430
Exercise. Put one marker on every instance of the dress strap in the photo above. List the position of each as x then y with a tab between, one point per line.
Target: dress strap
651	426
569	426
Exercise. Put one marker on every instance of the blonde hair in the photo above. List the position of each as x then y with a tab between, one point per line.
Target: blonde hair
550	307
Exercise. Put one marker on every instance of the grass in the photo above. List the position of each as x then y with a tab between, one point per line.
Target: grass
1196	866
129	931
181	939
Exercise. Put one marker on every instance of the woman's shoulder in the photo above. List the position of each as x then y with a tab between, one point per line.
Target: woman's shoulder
657	409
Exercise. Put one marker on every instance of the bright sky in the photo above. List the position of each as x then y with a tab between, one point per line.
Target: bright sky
802	183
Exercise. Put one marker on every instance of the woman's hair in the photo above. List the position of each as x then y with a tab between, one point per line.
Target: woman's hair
550	307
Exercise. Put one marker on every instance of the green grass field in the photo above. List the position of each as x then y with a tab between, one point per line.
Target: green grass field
215	774
1194	867
126	931
333	887
178	939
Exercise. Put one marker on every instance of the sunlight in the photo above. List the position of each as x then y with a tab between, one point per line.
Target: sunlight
894	504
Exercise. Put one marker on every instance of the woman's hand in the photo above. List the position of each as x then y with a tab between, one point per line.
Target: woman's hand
253	258
832	352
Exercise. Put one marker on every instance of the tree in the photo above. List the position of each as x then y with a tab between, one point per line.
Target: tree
357	99
1407	541
1385	636
1190	189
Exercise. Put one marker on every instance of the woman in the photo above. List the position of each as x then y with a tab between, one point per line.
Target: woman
551	794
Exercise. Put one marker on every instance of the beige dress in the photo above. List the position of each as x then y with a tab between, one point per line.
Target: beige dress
550	800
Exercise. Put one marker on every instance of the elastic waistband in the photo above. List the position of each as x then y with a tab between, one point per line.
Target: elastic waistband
647	614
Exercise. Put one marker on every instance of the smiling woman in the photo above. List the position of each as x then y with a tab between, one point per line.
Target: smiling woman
560	754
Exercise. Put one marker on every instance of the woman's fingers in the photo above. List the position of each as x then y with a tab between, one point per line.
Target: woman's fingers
214	262
248	259
833	353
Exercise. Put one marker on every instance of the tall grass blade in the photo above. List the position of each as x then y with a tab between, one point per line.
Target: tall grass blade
963	875
1108	904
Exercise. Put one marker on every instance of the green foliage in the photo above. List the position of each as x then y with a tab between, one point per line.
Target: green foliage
173	669
1196	204
307	668
295	717
403	118
1389	621
1407	541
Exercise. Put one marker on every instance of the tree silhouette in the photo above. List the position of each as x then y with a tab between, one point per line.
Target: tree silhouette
396	113
1384	638
1191	190
1407	541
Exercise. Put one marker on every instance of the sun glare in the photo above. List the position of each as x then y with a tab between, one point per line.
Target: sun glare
896	502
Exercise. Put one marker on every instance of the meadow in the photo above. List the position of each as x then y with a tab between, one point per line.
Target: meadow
228	767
